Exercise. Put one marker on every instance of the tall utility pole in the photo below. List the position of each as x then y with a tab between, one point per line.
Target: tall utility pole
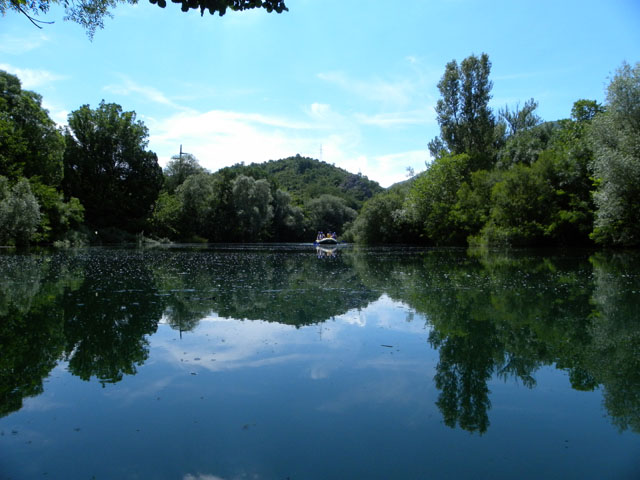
180	156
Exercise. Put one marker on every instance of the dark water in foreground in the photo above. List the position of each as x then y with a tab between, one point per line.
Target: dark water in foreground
281	362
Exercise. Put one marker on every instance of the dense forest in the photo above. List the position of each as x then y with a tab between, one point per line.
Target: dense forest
503	178
512	179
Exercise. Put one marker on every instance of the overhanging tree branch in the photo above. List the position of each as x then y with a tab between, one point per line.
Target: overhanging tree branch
35	21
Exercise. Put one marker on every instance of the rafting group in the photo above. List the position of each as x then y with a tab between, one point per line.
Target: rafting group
324	238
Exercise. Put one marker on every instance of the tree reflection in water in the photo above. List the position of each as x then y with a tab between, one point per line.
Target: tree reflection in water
108	318
502	315
508	314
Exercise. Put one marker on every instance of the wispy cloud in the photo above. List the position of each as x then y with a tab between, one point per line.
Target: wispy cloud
393	119
389	93
128	87
32	78
201	476
533	74
17	45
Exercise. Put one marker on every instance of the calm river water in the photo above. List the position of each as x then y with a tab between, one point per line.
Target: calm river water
286	362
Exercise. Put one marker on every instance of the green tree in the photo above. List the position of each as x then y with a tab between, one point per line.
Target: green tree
585	110
519	209
59	220
565	166
178	169
433	196
467	124
616	163
32	147
525	135
254	212
107	167
195	197
90	14
520	118
165	220
288	220
222	224
473	205
525	145
30	144
329	213
384	219
19	213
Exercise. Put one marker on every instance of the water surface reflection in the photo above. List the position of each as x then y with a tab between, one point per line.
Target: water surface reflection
281	361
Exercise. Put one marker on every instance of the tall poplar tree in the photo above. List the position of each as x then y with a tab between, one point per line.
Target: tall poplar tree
467	124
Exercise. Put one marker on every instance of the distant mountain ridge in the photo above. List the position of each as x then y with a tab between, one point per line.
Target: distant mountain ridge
305	178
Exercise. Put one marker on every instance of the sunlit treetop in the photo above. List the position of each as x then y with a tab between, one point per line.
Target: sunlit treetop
90	14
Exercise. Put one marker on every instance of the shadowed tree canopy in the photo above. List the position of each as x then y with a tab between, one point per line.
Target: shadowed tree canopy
221	6
90	14
107	166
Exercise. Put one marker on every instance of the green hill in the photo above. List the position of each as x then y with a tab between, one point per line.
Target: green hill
404	186
306	178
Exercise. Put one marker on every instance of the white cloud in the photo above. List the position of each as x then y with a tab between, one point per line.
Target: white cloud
57	114
320	110
220	138
254	344
391	168
32	78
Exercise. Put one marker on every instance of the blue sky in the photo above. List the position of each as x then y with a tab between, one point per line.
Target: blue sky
353	83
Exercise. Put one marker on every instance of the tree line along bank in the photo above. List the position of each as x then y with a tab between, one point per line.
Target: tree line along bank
503	178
